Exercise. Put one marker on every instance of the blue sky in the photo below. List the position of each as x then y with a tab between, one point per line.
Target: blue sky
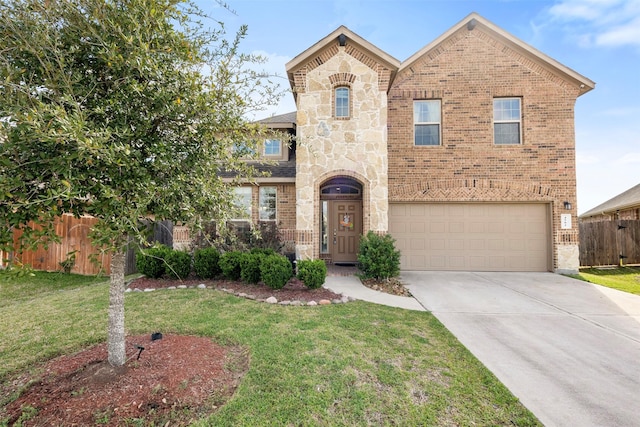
599	39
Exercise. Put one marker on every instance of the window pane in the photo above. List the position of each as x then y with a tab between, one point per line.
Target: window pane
427	134
507	133
267	203
243	202
426	111
342	102
272	147
324	240
506	109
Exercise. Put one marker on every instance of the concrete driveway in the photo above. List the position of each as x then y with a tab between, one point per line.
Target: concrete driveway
569	350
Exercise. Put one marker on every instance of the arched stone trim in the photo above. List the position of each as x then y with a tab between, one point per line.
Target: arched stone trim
471	189
342	79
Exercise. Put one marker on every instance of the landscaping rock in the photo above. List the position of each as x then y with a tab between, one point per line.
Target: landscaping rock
272	300
324	302
202	286
312	303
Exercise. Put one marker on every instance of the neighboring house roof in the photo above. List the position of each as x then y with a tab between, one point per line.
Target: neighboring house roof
625	200
281	121
473	21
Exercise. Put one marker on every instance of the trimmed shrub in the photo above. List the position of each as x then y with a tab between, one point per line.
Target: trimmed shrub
312	272
263	251
178	264
205	263
250	266
230	265
378	256
150	262
276	271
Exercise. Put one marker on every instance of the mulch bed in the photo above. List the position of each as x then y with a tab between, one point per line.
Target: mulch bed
176	379
173	380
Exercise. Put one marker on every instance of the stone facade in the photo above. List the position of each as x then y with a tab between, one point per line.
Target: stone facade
330	146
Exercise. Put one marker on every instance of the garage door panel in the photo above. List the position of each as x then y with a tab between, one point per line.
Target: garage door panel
472	236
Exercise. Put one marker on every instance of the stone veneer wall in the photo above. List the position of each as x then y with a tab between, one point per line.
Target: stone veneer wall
329	147
466	73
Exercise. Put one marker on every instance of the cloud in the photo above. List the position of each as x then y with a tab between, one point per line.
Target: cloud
629	158
600	22
587	159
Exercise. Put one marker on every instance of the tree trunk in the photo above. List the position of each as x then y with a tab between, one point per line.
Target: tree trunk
115	332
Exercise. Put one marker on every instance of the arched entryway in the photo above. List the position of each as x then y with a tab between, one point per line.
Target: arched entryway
340	219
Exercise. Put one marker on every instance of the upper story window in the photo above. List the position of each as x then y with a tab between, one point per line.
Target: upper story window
243	149
342	94
272	147
242	202
507	121
427	122
267	203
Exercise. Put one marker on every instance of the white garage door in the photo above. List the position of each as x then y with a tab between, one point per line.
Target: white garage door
471	236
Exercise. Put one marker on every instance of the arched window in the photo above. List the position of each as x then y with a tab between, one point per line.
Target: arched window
342	101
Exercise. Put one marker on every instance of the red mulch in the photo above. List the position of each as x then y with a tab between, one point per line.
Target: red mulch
294	290
174	379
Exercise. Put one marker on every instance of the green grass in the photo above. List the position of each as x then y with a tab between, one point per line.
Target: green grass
25	287
349	364
625	279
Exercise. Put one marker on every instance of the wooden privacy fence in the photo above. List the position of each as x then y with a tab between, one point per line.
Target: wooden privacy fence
610	242
73	233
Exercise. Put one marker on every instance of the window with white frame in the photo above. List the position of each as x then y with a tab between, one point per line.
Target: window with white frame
342	102
242	203
272	147
267	203
507	121
427	122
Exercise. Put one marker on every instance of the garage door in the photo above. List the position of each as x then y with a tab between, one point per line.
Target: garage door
471	236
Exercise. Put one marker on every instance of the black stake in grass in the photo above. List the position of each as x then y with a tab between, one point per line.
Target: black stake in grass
140	348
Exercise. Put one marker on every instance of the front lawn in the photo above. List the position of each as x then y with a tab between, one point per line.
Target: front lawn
343	364
625	279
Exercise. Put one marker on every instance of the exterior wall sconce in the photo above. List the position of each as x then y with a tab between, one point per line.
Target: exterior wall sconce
567	206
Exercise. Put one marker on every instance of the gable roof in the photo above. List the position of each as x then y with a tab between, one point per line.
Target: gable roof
341	36
625	200
474	21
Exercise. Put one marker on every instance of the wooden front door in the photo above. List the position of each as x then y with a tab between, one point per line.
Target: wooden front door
345	229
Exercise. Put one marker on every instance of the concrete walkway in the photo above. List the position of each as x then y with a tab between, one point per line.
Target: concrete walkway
352	287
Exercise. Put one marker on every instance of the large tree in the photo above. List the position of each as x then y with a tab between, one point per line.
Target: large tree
123	110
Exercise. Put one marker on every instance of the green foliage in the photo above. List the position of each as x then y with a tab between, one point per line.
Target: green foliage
230	264
178	264
312	272
151	262
250	266
378	257
69	262
276	271
205	263
122	110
